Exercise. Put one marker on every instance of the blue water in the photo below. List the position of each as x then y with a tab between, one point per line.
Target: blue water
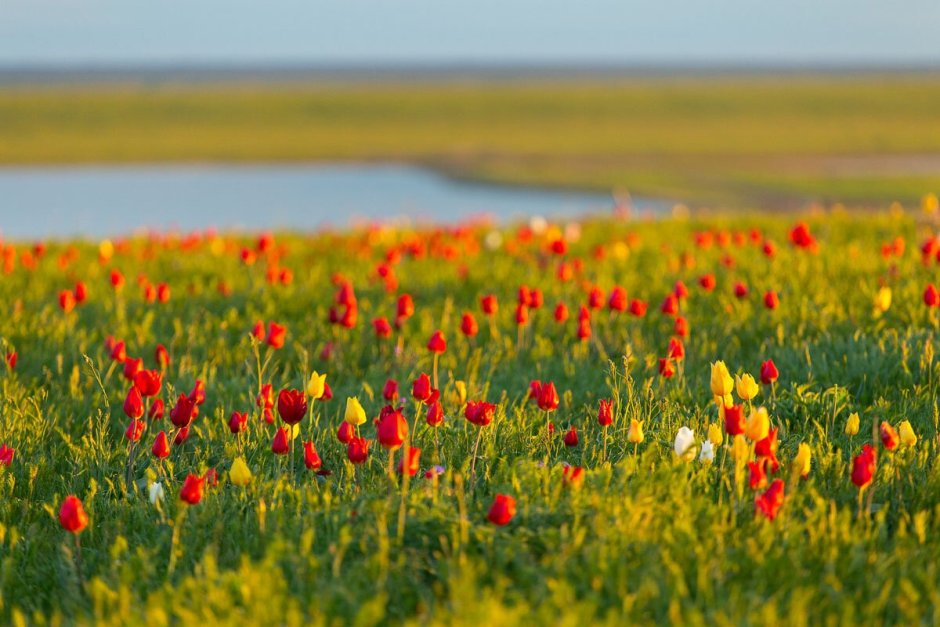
98	201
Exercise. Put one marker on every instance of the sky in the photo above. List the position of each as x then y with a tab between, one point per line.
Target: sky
396	32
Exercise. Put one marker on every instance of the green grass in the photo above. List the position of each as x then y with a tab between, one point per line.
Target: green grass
647	538
724	140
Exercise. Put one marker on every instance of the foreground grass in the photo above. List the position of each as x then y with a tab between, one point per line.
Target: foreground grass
646	538
738	141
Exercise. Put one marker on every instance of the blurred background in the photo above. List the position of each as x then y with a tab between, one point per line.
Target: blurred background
121	115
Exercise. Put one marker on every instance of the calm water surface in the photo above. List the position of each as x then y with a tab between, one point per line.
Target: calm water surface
97	201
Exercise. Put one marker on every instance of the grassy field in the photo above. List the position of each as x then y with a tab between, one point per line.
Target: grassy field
731	141
646	536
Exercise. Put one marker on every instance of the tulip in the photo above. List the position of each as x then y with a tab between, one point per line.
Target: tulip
931	296
182	414
548	397
265	398
685	444
489	304
6	455
681	327
605	415
421	388
435	414
163	293
851	424
571	437
758	425
803	460
889	437
766	449
618	299
382	328
740	449
161	446
707	455
198	393
346	432
468	325
768	372
405	308
66	301
134	430
863	466
721	381
162	357
358	450
757	479
707	282
479	413
573	476
635	434
461	388
355	414
181	436
191	492
734	420
72	515
276	335
906	431
414	462
714	433
740	290
132	366
437	344
666	369
134	404
502	510
771	300
148	381
315	386
676	349
311	457
156	493
281	443
291	406
770	502
883	299
561	312
257	331
746	387
239	474
638	308
392	430
238	422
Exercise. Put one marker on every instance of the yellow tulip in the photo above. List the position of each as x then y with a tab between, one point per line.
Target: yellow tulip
758	425
355	414
715	434
803	460
721	382
635	434
461	391
740	449
106	249
851	425
930	203
906	431
883	299
317	385
746	386
239	474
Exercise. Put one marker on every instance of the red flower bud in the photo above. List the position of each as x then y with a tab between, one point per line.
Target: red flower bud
191	492
292	406
72	515
502	510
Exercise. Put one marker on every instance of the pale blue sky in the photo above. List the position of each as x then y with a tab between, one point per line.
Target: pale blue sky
133	32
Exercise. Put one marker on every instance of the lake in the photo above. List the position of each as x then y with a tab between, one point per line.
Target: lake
97	201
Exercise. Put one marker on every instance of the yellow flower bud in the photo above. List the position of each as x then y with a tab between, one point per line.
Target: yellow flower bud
461	391
906	431
758	425
929	203
883	299
715	434
635	434
355	414
239	474
317	385
740	449
803	460
746	386
851	425
721	381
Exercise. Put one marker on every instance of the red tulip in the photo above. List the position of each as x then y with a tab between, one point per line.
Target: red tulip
489	305
405	307
148	382
198	393
435	415
117	280
680	291
468	325
548	397
670	305
437	344
292	406
133	403
257	331
119	352
681	327
618	299
757	479
768	372
666	367
265	399
161	446
66	301
863	466
6	454
707	282
382	328
192	489
414	462
770	502
596	298
345	433
605	413
889	436
181	436
771	301
480	413
72	515
740	290
734	420
311	458
801	236
584	329
522	314
573	476
421	389
502	510
392	430
931	296
156	409
390	391
182	413
676	349
276	335
571	437
11	360
561	312
163	293
357	451
638	308
132	366
134	430
281	443
238	422
162	357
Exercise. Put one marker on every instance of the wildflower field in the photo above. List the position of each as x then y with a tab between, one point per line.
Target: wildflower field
709	420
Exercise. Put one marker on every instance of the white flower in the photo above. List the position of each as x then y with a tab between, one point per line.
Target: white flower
708	452
156	492
685	444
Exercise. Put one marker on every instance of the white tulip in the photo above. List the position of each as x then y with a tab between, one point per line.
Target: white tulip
156	492
708	453
685	444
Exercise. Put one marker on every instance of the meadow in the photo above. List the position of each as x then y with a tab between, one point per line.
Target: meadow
583	457
723	140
